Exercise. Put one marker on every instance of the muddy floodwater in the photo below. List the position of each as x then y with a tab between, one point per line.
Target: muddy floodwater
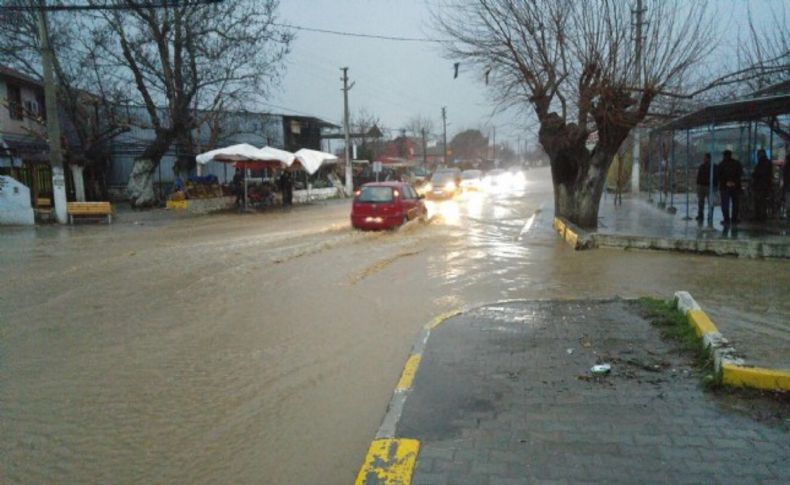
264	348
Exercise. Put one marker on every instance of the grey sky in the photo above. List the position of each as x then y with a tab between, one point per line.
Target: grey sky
399	80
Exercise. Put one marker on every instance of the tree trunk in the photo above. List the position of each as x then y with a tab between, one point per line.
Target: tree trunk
141	184
79	182
141	181
578	198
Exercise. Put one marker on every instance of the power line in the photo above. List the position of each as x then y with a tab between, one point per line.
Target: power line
357	34
105	6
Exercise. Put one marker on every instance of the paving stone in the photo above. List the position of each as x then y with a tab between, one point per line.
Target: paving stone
497	400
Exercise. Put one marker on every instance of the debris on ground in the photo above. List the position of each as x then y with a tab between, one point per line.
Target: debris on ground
601	369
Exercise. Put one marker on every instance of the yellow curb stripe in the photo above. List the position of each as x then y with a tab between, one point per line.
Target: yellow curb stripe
409	371
757	377
441	318
390	462
701	323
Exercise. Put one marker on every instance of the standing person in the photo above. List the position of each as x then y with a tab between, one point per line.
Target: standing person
730	172
786	185
703	186
287	187
762	185
238	187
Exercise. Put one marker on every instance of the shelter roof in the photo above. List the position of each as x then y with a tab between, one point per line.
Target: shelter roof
740	110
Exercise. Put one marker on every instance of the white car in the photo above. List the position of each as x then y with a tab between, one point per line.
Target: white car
471	180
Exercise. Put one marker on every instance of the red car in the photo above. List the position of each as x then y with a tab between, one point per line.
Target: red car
385	205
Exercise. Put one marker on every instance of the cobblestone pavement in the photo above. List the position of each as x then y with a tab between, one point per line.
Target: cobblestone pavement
504	395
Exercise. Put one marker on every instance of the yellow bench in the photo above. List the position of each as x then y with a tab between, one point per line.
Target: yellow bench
90	209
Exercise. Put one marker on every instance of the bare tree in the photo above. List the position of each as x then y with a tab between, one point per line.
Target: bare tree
421	127
88	98
764	59
187	59
367	131
574	64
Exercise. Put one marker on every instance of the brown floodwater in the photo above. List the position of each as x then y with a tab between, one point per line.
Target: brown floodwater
264	348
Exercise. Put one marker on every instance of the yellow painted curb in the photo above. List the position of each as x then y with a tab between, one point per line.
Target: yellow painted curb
441	318
701	323
177	204
565	232
409	371
390	462
757	377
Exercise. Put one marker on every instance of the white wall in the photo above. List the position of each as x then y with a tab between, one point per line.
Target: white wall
15	206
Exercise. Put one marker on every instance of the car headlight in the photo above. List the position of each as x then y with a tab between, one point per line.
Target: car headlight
449	186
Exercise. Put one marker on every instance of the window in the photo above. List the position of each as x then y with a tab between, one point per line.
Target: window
14	101
375	194
408	193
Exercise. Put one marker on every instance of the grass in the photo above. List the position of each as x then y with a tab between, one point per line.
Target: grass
673	325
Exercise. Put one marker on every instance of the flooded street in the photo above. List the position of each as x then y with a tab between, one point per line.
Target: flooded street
264	348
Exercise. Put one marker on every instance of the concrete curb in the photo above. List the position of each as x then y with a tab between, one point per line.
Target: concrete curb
732	370
392	460
572	234
718	247
580	239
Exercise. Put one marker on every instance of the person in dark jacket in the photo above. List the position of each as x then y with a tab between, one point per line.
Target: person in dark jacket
286	183
703	186
730	172
238	187
762	185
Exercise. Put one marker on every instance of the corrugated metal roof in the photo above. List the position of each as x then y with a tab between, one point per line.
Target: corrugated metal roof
741	110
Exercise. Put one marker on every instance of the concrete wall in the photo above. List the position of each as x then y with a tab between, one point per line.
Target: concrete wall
303	196
15	206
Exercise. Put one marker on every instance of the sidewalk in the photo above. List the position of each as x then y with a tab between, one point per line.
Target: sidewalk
503	394
638	223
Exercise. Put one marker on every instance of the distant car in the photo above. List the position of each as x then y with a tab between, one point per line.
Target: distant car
445	184
471	179
385	205
495	178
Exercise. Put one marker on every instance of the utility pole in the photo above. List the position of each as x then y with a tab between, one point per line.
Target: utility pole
635	163
53	123
444	129
493	148
349	172
424	147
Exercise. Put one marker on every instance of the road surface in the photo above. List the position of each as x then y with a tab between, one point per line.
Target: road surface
264	348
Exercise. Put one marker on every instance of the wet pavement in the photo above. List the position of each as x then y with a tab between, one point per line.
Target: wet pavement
504	395
253	348
640	216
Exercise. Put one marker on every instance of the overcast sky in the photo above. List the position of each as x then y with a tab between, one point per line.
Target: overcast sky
399	80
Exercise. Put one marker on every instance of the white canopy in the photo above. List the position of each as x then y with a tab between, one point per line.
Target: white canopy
275	154
233	153
312	160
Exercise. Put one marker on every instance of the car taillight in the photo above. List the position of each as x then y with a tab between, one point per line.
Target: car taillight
396	193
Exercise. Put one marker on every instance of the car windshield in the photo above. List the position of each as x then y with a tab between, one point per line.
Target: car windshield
375	194
471	174
442	177
496	173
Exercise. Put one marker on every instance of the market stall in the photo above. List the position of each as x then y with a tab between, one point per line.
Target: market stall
247	157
